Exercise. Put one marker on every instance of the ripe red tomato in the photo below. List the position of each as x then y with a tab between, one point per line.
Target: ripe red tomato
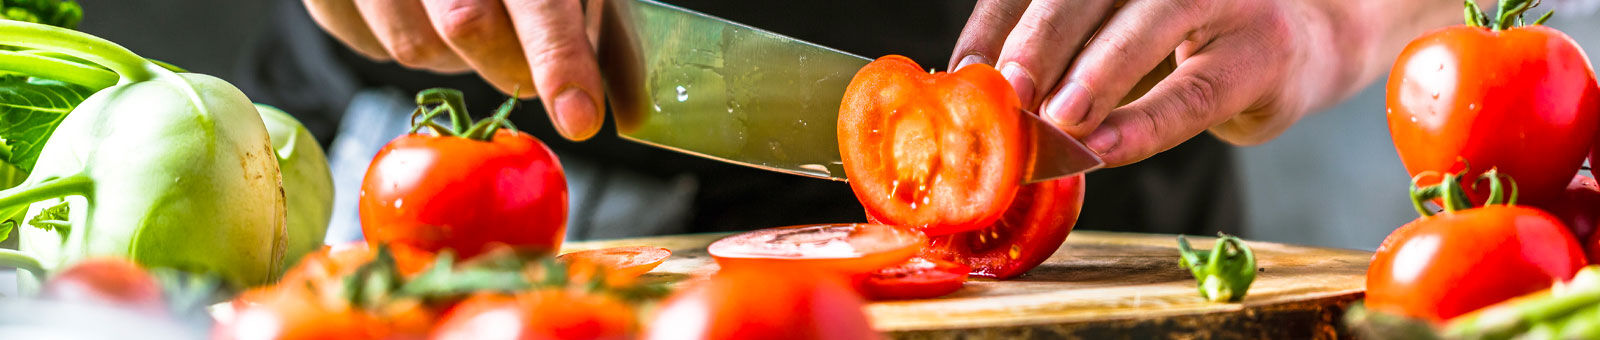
1523	100
847	249
539	314
108	281
918	278
763	303
1442	266
942	152
435	193
620	262
1579	206
1032	229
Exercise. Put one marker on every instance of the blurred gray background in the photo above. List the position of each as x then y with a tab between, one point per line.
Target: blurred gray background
1332	180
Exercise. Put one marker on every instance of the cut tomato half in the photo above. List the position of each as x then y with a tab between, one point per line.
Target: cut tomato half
1036	224
942	152
630	261
850	249
918	278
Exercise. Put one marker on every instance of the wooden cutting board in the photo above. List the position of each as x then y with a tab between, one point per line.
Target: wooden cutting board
1104	285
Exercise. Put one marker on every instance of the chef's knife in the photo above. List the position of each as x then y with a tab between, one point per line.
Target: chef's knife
698	84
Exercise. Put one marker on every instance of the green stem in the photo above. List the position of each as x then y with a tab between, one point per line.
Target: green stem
47	189
1454	197
35	65
20	260
125	63
1421	194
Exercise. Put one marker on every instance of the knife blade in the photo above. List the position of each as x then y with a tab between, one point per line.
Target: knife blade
697	84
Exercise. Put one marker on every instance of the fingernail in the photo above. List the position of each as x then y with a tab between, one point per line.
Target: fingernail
1103	140
1070	106
1021	81
969	60
576	115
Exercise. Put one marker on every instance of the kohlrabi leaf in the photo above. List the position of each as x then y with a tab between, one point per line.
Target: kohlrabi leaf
10	176
30	109
64	14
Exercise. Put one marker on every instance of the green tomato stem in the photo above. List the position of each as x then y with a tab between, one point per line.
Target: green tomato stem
35	65
125	63
17	259
47	189
1224	273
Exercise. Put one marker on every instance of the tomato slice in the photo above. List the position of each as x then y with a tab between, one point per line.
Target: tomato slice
918	278
1035	225
629	262
942	152
850	249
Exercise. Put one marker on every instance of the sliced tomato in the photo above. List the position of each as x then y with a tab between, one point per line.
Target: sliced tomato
943	152
763	303
849	249
620	262
1035	225
918	278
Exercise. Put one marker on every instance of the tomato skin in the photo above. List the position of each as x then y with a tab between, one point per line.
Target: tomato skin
1523	100
1578	207
435	193
1032	229
536	315
1436	268
918	278
750	303
942	152
109	281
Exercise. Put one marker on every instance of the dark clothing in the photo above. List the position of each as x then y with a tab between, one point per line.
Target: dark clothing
1190	189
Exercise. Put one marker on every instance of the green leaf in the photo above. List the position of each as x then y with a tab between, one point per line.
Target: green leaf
30	110
64	14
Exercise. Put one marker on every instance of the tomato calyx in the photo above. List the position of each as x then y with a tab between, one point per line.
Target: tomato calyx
1509	14
436	101
1450	191
1225	272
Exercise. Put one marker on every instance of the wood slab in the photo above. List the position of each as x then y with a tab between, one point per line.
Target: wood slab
1104	285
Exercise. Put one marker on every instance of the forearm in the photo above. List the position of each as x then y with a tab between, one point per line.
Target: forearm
1364	36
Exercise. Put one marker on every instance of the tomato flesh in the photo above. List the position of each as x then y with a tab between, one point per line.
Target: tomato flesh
918	278
1522	100
630	261
1439	267
942	152
435	193
851	248
1032	229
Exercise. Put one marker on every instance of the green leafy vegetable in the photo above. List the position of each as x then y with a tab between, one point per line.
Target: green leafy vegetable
170	170
1225	272
30	110
65	14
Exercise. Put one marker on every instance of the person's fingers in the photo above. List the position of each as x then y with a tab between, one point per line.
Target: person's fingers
341	20
986	31
557	46
403	29
1206	89
1136	39
1043	43
480	32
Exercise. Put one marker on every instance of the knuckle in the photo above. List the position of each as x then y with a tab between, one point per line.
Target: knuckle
1045	24
464	24
410	53
1195	94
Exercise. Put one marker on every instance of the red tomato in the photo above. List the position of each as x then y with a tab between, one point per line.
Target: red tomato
109	281
1592	247
540	314
942	152
763	303
1033	228
1579	206
1445	265
435	193
847	249
1523	100
918	278
621	262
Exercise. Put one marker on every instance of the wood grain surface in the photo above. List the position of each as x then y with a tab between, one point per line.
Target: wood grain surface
1103	285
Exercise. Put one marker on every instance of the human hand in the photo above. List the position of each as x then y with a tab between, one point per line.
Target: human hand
1245	69
515	45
